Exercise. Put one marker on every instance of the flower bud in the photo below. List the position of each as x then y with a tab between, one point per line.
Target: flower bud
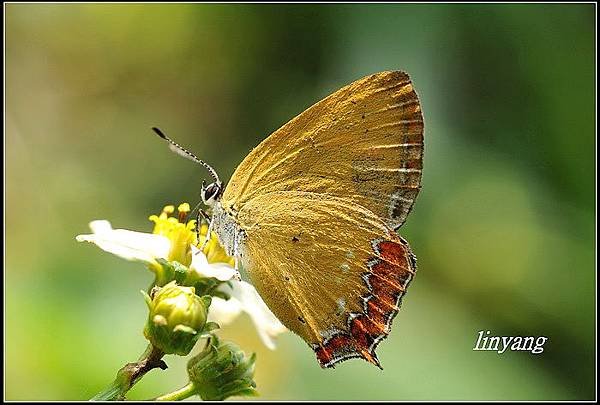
222	370
177	318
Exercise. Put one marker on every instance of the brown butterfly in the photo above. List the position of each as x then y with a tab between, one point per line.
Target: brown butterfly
312	212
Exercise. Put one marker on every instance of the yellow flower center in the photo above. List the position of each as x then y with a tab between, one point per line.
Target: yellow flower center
183	235
213	250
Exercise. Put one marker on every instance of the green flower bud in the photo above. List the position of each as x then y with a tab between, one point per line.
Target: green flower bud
222	370
168	271
177	318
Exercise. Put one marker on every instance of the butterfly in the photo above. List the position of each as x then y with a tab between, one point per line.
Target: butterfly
312	212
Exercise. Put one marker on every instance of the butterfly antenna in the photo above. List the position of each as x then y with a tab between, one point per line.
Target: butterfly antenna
180	150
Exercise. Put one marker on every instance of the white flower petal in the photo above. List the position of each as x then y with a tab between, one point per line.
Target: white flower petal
127	244
267	325
223	311
220	271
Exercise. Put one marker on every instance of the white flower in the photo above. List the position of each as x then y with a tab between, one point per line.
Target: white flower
174	240
245	298
129	245
220	271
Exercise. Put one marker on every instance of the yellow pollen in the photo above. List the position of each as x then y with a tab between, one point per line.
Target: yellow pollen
183	210
183	235
185	207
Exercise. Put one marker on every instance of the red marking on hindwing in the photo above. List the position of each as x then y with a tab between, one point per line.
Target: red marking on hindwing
387	277
337	344
391	251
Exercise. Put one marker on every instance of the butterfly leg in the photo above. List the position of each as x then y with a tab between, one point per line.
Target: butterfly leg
208	232
236	260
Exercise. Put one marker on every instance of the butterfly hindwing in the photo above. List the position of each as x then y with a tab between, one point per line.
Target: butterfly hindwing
329	269
363	143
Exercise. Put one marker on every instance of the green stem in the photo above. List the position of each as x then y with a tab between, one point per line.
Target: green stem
180	394
130	374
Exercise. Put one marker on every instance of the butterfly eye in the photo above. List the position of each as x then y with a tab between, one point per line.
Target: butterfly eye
210	193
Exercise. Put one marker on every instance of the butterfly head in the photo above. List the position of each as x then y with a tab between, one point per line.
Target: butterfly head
211	193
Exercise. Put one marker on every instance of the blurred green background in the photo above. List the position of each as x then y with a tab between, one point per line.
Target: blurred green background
503	229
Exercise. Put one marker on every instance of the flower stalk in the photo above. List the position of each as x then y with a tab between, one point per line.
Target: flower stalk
130	374
180	394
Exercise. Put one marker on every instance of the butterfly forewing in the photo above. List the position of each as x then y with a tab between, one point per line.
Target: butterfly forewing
363	143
